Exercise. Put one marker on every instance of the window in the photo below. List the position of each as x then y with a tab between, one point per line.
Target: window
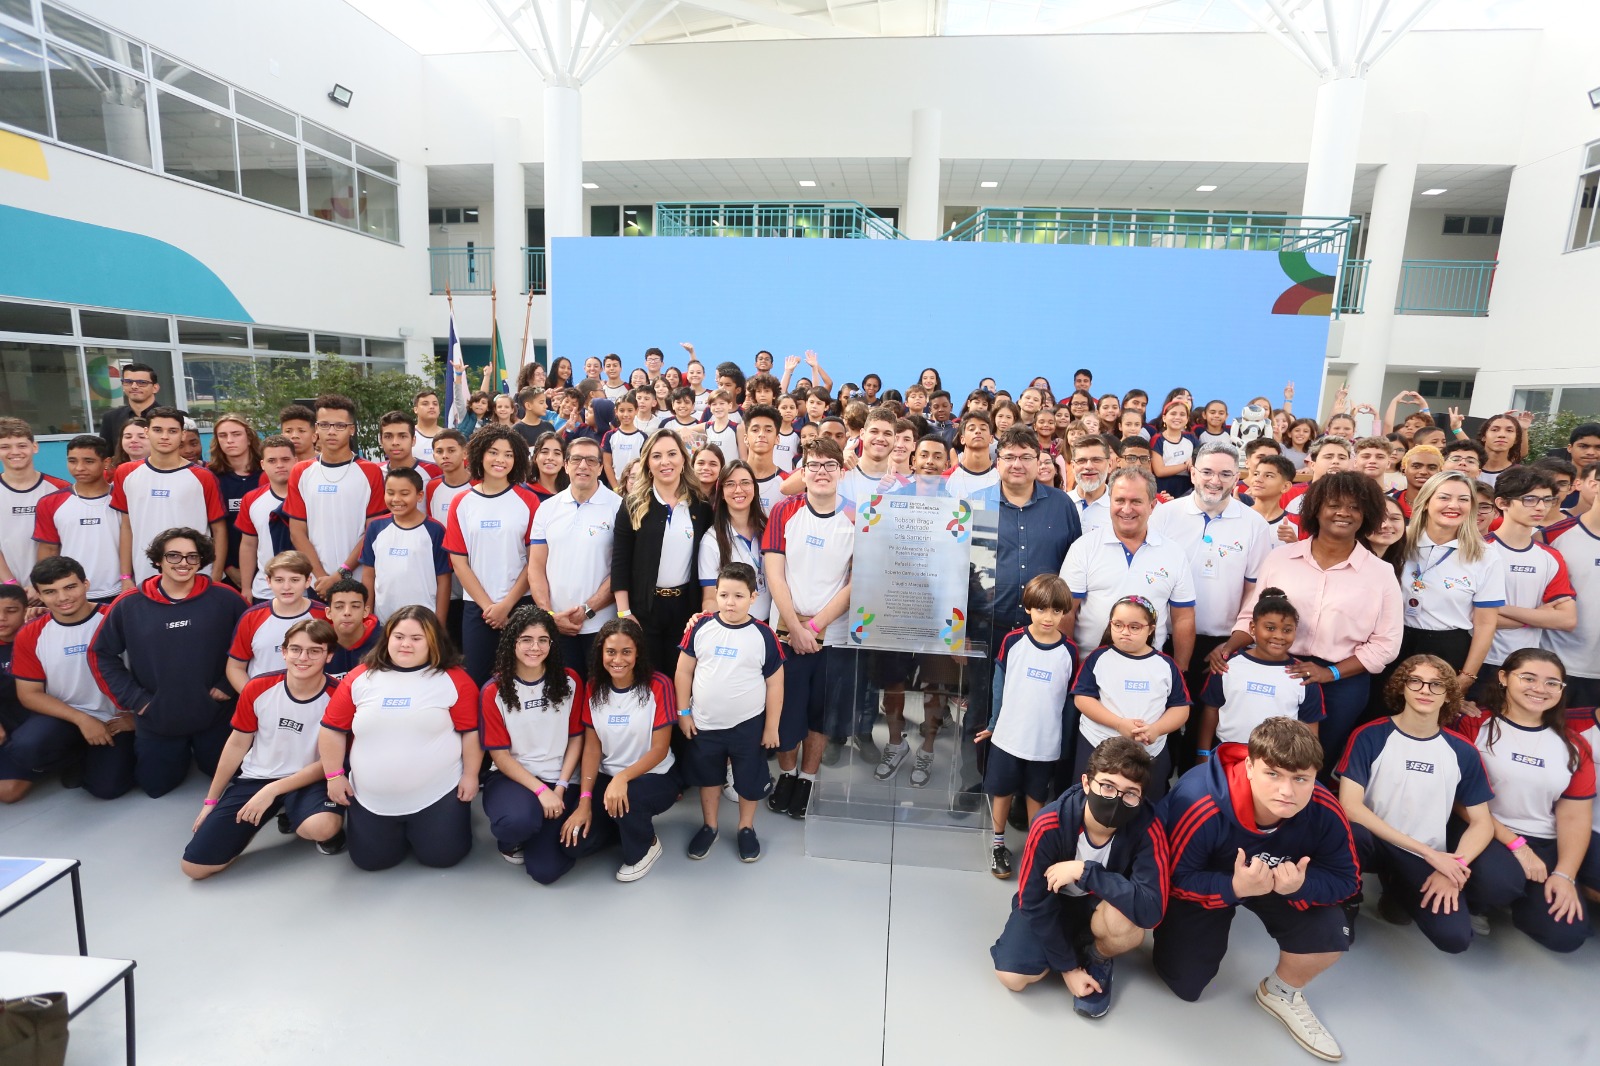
99	107
22	102
269	168
34	318
380	164
605	220
453	216
1472	225
638	220
105	388
177	76
215	383
212	334
380	207
330	190
277	340
197	143
119	327
43	385
255	110
87	35
344	347
1585	233
332	143
21	10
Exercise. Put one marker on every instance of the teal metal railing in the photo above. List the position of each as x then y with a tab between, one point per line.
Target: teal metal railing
1353	286
461	269
533	271
1155	228
821	218
1445	287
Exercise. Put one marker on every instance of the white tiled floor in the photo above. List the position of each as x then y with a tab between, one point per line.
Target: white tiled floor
292	956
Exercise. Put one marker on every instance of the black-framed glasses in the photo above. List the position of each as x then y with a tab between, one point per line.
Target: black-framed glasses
824	466
1536	501
142	383
1019	457
1417	684
180	558
1130	797
584	460
336	425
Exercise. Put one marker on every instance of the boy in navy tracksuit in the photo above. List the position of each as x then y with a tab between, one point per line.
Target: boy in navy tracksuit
162	653
1252	827
1094	878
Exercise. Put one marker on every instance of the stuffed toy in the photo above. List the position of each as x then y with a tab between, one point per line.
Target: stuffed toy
1253	423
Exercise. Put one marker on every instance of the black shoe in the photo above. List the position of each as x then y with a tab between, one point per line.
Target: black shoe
283	823
778	799
72	774
700	846
1000	862
333	845
1018	818
749	846
1392	910
800	799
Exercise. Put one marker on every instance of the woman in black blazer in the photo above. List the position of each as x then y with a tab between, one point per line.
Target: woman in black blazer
654	547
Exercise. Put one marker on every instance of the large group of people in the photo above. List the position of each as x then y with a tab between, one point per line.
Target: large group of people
1225	658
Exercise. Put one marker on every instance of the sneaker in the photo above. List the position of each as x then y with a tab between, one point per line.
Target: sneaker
1297	1017
1392	911
283	823
72	774
333	845
867	748
922	769
1096	1004
1000	862
749	846
801	798
700	846
893	756
778	799
833	752
1480	924
513	855
636	870
728	791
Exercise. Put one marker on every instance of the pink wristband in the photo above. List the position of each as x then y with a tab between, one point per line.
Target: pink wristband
1461	862
1516	843
208	803
539	788
585	795
331	776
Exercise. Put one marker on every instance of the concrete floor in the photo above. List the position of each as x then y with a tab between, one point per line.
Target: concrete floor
292	956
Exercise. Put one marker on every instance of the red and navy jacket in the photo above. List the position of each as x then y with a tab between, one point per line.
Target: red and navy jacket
160	658
1210	815
343	660
1133	880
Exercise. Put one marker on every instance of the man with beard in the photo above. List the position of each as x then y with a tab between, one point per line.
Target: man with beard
1092	460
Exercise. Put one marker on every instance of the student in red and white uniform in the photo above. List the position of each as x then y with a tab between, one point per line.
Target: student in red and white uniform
71	718
403	560
1585	724
1418	802
486	535
257	647
354	625
531	715
21	489
332	496
450	453
807	550
270	762
1539	593
397	436
1544	785
261	536
79	522
410	715
1578	540
627	753
165	491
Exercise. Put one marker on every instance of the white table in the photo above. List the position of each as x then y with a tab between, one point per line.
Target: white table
16	890
82	978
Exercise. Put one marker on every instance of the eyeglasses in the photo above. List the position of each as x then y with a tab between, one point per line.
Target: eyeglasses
584	460
177	558
295	651
343	426
1089	460
1019	457
1417	684
1536	501
1129	627
1218	475
1130	797
825	466
1137	460
138	383
1550	684
533	642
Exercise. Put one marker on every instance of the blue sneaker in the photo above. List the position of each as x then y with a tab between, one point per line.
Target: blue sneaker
700	846
1096	1004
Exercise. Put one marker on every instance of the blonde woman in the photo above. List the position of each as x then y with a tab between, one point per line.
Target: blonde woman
654	547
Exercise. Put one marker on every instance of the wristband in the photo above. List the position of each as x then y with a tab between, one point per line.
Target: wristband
811	624
1334	670
686	712
1516	843
208	803
624	614
1205	751
539	788
337	773
13	581
124	577
585	795
1565	877
1461	862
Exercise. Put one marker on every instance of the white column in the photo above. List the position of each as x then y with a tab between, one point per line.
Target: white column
921	221
1335	139
563	162
1386	243
510	232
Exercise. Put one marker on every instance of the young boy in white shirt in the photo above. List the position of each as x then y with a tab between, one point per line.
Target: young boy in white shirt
403	560
622	445
25	487
722	430
258	639
79	522
256	541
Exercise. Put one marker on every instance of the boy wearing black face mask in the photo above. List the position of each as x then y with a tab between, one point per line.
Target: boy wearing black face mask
1093	879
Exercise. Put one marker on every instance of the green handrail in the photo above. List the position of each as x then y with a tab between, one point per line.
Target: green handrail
1445	287
461	269
1353	287
811	218
533	271
1155	228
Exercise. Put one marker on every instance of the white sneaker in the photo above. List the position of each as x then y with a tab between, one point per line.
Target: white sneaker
922	769
1480	924
893	756
514	856
1297	1017
728	792
634	871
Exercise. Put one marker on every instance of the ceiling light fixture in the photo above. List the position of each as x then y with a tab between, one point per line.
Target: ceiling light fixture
988	184
1433	192
1205	188
1594	97
806	183
590	185
1430	371
340	95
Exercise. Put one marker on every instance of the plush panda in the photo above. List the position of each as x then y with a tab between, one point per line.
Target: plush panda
1253	423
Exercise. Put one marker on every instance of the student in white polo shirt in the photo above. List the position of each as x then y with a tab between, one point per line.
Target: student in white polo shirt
1257	684
79	522
1093	459
263	528
1127	558
165	491
1539	593
258	638
1578	540
403	560
270	762
974	470
332	497
569	553
1418	801
761	424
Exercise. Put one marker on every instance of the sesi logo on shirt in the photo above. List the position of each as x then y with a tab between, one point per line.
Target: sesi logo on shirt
1136	686
1515	569
1261	687
1419	767
816	542
160	494
22	509
1527	760
75	649
327	488
725	652
618	719
88	521
399	553
1040	675
178	625
489	523
538	703
397	701
290	723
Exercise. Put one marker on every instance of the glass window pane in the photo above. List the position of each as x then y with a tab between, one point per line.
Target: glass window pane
190	81
74	30
99	107
469	216
638	221
379	349
260	111
605	220
217	383
34	318
42	385
278	340
330	190
385	366
197	143
315	135
331	344
373	161
269	168
105	376
21	10
1478	225
1455	224
117	327
212	334
1585	403
1588	194
22	82
1591	158
380	207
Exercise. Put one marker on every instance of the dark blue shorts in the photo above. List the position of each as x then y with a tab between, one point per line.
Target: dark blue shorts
708	754
891	668
1006	775
1019	950
221	838
1191	939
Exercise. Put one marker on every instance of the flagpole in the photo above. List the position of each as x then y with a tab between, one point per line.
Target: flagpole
527	319
494	349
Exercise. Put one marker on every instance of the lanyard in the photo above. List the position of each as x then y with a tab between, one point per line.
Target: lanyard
1417	571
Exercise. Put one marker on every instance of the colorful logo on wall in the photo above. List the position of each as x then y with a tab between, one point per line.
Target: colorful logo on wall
105	381
954	628
959	526
859	631
869	514
1312	291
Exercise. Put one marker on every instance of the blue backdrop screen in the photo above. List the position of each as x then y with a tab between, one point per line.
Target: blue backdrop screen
1152	318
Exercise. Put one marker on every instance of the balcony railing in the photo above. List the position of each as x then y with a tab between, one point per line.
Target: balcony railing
825	218
1353	287
533	271
1445	287
461	269
1155	229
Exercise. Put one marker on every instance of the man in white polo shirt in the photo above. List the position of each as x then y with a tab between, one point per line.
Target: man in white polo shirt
1127	558
569	554
1092	461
